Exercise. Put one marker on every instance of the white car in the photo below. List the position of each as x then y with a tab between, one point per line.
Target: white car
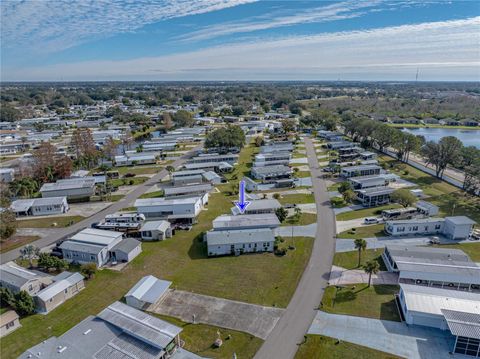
370	220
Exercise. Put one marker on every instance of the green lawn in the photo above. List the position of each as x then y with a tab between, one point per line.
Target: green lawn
139	170
338	202
271	280
450	199
375	230
200	337
367	212
302	174
349	260
300	198
376	301
334	187
48	222
16	241
472	249
305	218
321	347
154	194
299	155
128	181
245	161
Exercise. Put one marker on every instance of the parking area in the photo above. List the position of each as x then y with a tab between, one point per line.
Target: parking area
342	276
249	318
412	342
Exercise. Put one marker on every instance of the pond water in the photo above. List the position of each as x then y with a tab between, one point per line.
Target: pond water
468	137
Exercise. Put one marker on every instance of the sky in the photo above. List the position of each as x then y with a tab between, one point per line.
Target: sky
239	40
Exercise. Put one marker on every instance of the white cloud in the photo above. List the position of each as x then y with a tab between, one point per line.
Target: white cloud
50	26
441	50
282	18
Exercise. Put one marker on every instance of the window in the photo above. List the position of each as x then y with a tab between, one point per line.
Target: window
10	324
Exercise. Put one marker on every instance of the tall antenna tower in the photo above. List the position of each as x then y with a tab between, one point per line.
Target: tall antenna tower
416	76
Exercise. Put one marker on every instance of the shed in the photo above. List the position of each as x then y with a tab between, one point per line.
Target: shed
156	230
126	250
148	290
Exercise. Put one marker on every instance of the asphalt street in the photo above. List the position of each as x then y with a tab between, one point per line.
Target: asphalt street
115	207
288	333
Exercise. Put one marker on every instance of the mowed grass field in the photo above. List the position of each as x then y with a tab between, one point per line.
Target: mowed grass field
321	347
48	222
200	337
376	301
349	260
263	279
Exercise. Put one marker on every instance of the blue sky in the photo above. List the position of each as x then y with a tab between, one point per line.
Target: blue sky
239	40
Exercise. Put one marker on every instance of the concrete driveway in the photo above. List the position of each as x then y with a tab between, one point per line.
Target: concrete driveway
249	318
308	230
352	223
342	276
412	342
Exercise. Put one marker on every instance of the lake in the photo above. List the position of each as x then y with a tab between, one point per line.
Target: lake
468	137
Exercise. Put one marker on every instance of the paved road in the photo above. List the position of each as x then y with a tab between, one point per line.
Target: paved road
283	341
116	206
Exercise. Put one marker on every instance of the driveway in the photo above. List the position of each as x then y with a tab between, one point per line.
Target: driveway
352	223
346	245
300	160
282	343
298	231
342	276
412	342
249	318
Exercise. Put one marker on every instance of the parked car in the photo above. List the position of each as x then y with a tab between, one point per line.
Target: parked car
371	220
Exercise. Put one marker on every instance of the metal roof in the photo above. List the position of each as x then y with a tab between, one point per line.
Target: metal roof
240	236
271	169
15	275
23	205
165	202
59	286
432	300
67	184
360	168
81	247
145	327
225	222
459	220
126	245
155	226
96	236
187	189
187	173
445	253
149	289
463	324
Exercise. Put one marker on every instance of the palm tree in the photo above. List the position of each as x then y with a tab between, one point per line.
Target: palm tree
360	245
371	267
170	169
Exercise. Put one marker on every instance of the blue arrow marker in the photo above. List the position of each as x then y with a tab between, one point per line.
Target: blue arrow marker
242	204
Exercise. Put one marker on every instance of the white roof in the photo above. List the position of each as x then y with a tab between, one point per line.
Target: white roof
240	236
59	286
149	289
96	236
23	205
432	300
155	226
163	201
71	183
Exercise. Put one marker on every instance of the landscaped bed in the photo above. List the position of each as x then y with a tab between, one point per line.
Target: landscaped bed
376	301
321	347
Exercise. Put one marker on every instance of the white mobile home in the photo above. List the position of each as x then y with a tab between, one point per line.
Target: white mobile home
259	206
40	206
362	170
74	188
267	173
179	209
246	221
135	159
239	241
156	230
